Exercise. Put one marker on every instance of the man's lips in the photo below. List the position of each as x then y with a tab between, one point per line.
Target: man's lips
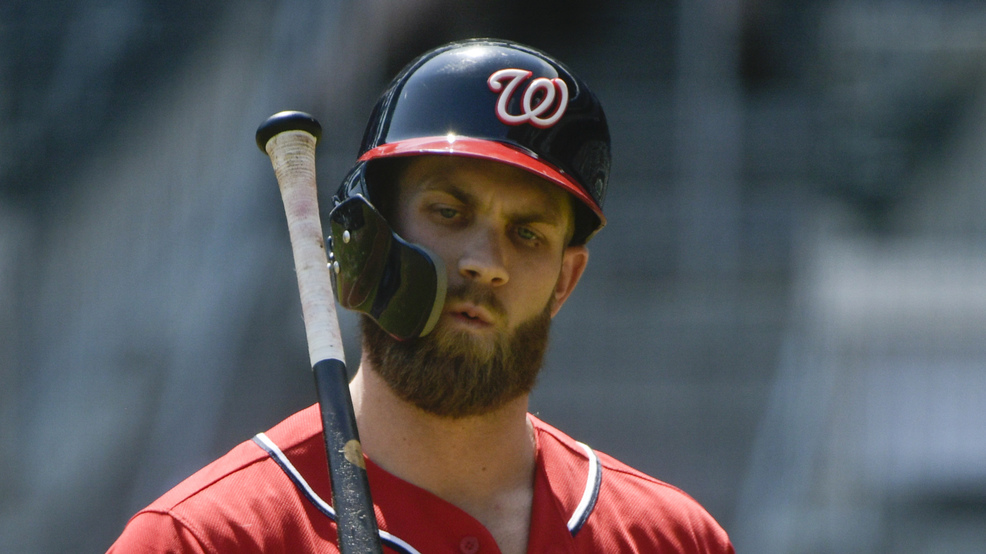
471	313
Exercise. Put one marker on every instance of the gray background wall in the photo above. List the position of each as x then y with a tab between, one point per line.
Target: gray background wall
784	317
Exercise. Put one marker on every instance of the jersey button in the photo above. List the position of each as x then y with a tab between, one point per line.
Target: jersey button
469	545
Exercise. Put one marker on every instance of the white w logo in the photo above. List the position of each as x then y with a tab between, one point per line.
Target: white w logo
530	112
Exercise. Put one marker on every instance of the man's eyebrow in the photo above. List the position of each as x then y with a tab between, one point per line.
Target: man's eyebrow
550	214
450	188
547	217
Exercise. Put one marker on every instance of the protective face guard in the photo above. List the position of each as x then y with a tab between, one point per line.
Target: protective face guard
399	284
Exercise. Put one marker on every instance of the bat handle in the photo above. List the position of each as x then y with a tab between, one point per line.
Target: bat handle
356	521
289	139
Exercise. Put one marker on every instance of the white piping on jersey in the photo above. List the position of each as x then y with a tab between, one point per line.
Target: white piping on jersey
589	495
586	504
285	464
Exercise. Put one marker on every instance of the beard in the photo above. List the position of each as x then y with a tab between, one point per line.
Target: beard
453	373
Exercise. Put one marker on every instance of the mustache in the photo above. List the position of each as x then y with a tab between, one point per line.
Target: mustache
476	294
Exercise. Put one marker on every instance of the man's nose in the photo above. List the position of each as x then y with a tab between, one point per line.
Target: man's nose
484	258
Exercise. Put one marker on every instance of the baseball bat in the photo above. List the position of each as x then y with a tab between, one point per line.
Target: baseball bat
289	138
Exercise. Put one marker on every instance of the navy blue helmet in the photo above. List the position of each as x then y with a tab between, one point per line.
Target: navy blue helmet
496	100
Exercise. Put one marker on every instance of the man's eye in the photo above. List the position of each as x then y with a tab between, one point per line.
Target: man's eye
526	234
448	213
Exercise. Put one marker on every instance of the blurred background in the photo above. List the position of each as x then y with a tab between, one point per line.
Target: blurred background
785	316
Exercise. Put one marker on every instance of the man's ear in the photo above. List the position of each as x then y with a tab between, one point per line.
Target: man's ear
573	263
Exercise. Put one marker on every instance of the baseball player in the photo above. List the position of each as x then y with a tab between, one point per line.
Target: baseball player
489	160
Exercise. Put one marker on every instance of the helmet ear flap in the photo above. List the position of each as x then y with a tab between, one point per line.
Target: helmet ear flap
398	284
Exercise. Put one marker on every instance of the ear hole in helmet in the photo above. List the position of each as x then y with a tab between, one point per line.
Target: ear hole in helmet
586	223
382	175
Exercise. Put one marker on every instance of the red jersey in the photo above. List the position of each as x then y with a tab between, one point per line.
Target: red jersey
269	495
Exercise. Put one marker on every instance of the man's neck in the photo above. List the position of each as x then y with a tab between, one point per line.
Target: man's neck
482	464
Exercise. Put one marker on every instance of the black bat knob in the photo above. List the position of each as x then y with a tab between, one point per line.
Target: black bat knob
287	121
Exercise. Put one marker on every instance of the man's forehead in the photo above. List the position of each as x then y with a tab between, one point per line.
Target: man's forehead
477	177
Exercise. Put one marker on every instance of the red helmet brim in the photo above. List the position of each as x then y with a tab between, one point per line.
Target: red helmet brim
485	149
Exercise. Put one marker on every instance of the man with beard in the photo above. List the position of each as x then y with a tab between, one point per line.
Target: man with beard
491	159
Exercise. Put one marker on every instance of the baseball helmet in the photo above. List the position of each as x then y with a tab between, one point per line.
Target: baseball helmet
480	98
496	100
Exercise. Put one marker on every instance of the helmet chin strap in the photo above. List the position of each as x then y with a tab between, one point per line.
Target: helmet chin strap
399	284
